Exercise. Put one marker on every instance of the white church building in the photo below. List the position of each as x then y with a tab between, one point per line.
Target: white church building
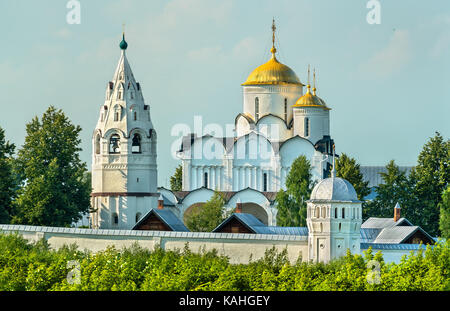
278	123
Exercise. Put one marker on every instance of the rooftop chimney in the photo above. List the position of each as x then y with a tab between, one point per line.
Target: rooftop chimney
238	206
397	212
160	202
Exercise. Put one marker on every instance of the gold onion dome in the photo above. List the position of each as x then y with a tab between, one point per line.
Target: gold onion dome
272	72
311	100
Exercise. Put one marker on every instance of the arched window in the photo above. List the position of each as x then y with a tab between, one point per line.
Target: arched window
115	219
306	127
316	212
136	144
340	226
135	115
138	216
336	213
285	109
114	144
97	144
205	180
343	212
257	108
265	182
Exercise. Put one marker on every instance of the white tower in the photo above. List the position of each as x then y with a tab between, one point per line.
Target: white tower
333	219
311	115
124	171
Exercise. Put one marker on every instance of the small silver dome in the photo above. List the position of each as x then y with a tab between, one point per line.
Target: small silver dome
334	189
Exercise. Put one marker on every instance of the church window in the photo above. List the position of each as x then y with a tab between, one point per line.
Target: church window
97	144
306	127
265	182
138	216
120	95
205	180
343	212
285	109
135	115
136	144
114	144
340	226
336	213
257	108
115	218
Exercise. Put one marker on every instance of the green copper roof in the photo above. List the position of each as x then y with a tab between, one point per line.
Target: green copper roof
123	44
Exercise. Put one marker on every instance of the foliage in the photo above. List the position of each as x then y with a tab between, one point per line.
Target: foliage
431	177
444	220
36	267
7	182
176	181
291	204
55	185
396	187
347	168
206	217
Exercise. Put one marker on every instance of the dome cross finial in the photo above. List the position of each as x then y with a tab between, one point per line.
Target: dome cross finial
273	50
314	82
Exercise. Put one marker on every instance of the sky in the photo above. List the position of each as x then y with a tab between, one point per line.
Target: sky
387	83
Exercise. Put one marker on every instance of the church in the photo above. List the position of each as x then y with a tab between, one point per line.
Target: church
278	123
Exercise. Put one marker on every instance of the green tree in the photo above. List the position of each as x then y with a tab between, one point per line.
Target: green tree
7	181
396	187
348	169
444	218
431	177
291	203
206	217
55	188
177	179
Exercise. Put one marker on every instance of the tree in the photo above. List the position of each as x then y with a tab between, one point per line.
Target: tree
431	177
176	181
206	217
444	217
396	187
7	181
55	188
348	169
291	204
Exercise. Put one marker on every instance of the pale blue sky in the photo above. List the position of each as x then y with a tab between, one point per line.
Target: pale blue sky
387	84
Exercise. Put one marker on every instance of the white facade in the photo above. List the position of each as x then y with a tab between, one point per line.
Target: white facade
334	216
124	171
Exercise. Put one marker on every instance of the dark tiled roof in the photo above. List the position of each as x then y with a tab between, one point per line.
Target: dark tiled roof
167	217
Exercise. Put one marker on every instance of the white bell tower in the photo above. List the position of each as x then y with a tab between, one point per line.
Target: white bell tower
124	171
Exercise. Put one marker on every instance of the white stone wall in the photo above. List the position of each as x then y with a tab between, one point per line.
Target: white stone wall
238	247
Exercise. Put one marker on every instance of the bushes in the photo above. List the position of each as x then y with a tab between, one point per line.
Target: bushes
34	266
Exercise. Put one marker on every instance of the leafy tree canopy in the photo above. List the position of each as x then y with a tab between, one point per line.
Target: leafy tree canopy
7	182
55	182
291	203
206	217
177	179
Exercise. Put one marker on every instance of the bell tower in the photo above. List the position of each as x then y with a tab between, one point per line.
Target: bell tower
124	170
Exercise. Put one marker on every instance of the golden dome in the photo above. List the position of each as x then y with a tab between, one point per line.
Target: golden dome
310	100
272	72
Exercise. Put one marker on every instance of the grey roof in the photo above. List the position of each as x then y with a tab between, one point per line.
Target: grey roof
372	173
398	234
334	189
369	234
256	226
166	216
375	222
150	233
390	246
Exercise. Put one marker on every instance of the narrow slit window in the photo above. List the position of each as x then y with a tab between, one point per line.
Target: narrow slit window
205	180
257	108
285	109
306	127
265	182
